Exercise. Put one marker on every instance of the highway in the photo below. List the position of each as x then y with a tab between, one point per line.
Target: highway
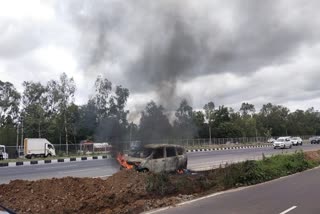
213	159
91	168
107	167
295	194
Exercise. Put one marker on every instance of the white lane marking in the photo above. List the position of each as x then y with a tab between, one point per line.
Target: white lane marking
288	210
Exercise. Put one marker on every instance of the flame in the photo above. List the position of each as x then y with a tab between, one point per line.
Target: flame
123	162
180	171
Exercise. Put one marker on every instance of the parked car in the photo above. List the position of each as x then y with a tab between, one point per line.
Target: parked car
159	158
282	143
315	140
296	141
271	140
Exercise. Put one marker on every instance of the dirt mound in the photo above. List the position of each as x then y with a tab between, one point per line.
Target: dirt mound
312	155
124	192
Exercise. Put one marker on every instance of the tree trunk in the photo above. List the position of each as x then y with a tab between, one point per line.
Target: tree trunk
39	129
66	130
210	134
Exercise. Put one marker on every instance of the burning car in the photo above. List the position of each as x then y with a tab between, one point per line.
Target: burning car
156	158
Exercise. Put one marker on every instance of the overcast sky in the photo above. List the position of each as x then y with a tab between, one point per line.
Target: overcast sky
228	52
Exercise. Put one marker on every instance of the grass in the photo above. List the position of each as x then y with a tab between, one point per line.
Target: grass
231	176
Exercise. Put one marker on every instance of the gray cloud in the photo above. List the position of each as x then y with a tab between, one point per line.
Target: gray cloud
173	49
157	43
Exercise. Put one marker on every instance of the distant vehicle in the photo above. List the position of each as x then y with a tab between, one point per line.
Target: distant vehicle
159	158
315	140
38	147
89	147
282	143
296	141
271	140
3	154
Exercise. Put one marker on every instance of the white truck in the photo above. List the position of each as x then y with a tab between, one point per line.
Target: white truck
3	154
38	147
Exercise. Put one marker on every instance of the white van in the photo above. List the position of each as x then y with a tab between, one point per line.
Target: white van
282	143
159	158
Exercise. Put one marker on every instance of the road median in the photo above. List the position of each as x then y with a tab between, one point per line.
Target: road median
23	162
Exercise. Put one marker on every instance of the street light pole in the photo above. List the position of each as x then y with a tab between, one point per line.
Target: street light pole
21	133
17	144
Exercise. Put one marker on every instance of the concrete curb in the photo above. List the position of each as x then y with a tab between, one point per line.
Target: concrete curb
59	160
228	148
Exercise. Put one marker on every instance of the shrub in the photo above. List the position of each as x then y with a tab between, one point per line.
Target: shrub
159	183
234	175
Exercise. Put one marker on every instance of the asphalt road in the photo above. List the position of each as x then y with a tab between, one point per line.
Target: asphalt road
107	167
213	159
294	194
92	168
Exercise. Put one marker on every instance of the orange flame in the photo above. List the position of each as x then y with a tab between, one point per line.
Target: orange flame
180	171
123	162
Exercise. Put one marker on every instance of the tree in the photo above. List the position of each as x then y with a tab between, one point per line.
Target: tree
184	126
199	122
66	90
87	123
247	109
60	97
228	130
114	124
103	89
154	124
9	103
221	115
275	118
34	102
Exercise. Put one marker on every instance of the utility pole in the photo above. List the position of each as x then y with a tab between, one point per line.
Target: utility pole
17	144
256	135
130	132
21	133
210	134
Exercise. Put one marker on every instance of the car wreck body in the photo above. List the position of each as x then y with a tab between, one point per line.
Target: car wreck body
158	158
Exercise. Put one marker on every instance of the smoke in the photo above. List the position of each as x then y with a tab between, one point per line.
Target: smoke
154	45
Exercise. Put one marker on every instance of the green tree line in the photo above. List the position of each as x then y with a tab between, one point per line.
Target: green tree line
49	111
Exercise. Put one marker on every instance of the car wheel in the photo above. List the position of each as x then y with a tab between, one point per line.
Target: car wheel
290	146
274	147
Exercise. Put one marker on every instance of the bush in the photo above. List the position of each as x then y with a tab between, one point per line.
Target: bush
159	184
234	175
